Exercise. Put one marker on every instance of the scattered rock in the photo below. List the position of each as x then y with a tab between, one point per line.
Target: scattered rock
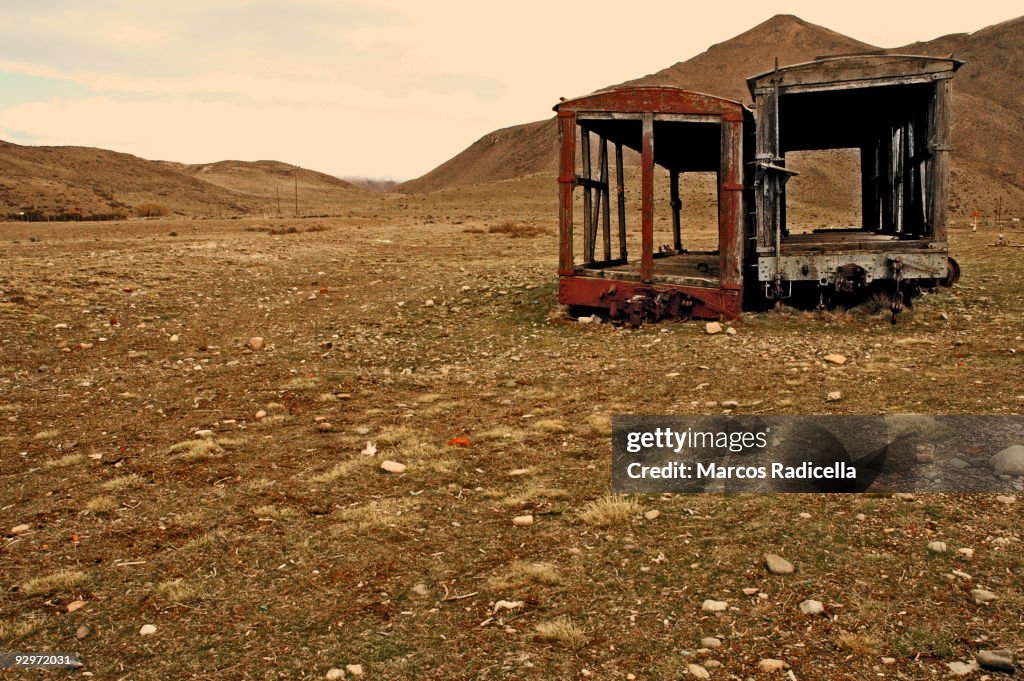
147	630
838	360
369	450
429	302
20	529
174	338
712	664
255	343
997	660
768	665
937	546
1009	461
730	404
697	671
904	496
712	328
750	590
261	414
653	514
860	516
834	396
812	607
421	590
982	596
777	565
325	426
393	466
83	631
354	669
888	660
1005	499
522	520
710	642
965	552
507	605
334	674
962	668
711	605
75	605
731	331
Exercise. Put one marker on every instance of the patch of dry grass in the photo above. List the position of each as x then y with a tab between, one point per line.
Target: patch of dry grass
63	580
857	644
600	424
524	572
550	425
343	469
122	482
46	434
193	451
12	630
327	397
180	591
64	461
301	383
612	509
374	514
561	631
101	504
513	435
9	408
273	420
535	489
272	512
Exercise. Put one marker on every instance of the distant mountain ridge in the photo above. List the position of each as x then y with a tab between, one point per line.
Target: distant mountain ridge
988	104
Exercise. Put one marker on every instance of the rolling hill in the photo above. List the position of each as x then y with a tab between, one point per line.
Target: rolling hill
88	182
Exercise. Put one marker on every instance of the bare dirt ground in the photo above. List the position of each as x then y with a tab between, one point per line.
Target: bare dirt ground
171	476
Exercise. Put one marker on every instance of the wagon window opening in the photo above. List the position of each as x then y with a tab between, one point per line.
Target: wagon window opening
826	194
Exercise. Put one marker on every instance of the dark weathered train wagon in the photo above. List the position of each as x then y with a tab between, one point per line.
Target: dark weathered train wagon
681	131
895	111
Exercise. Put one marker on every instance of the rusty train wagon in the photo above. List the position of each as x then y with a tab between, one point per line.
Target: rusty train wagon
681	131
894	110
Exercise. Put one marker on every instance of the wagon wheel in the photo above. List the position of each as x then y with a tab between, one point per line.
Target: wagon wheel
952	273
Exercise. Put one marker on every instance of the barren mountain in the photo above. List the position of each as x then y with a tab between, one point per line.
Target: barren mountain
988	100
87	182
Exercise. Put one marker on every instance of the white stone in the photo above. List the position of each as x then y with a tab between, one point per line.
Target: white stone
838	360
965	552
20	529
812	607
710	642
768	665
962	668
255	343
147	630
522	520
777	565
981	596
334	674
712	328
507	605
834	396
1009	461
937	546
652	514
354	669
393	466
711	605
261	414
1005	499
697	672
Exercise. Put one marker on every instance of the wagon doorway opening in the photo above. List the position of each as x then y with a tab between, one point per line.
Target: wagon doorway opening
825	192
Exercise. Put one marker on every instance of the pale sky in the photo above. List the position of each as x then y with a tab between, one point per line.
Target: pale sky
382	88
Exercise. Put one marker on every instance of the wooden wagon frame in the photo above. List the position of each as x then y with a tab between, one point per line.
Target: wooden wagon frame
682	131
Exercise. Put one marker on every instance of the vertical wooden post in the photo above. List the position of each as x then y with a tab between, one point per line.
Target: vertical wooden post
566	182
620	195
676	204
647	200
588	239
868	188
730	206
606	228
939	167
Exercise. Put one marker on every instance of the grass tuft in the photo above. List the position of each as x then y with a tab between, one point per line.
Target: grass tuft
102	504
609	510
65	461
562	631
64	580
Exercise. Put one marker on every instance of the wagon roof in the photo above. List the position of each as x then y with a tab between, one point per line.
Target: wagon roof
856	69
654	99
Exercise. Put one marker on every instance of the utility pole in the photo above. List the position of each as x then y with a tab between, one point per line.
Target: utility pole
278	189
295	176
